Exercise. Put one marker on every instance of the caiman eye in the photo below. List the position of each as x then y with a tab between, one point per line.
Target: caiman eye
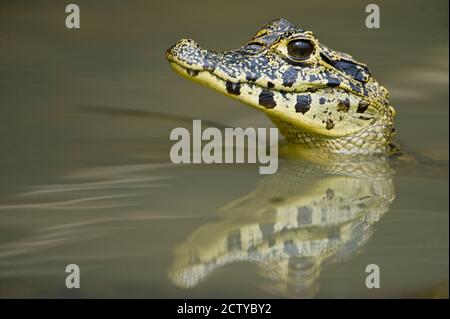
300	49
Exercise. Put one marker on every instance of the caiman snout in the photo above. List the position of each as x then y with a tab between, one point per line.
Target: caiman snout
187	53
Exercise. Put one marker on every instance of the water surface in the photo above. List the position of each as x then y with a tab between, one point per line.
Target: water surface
86	176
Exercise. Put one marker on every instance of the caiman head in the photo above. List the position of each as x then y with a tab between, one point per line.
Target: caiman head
319	98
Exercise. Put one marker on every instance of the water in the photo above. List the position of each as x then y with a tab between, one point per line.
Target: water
86	176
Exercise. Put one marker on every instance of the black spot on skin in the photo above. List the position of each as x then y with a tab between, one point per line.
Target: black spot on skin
358	72
333	82
268	39
270	85
289	77
266	99
192	72
313	78
343	105
303	103
252	48
322	100
366	93
365	118
357	88
251	77
233	88
362	106
329	124
312	90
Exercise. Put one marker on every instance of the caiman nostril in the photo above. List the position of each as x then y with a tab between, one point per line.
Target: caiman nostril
186	52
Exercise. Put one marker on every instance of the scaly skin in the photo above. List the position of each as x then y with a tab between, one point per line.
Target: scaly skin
320	99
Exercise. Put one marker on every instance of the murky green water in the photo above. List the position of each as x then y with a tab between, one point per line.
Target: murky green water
85	174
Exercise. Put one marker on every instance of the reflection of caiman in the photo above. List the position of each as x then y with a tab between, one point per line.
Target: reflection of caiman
306	213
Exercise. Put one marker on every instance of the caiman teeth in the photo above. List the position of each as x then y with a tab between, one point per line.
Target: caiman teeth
192	72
